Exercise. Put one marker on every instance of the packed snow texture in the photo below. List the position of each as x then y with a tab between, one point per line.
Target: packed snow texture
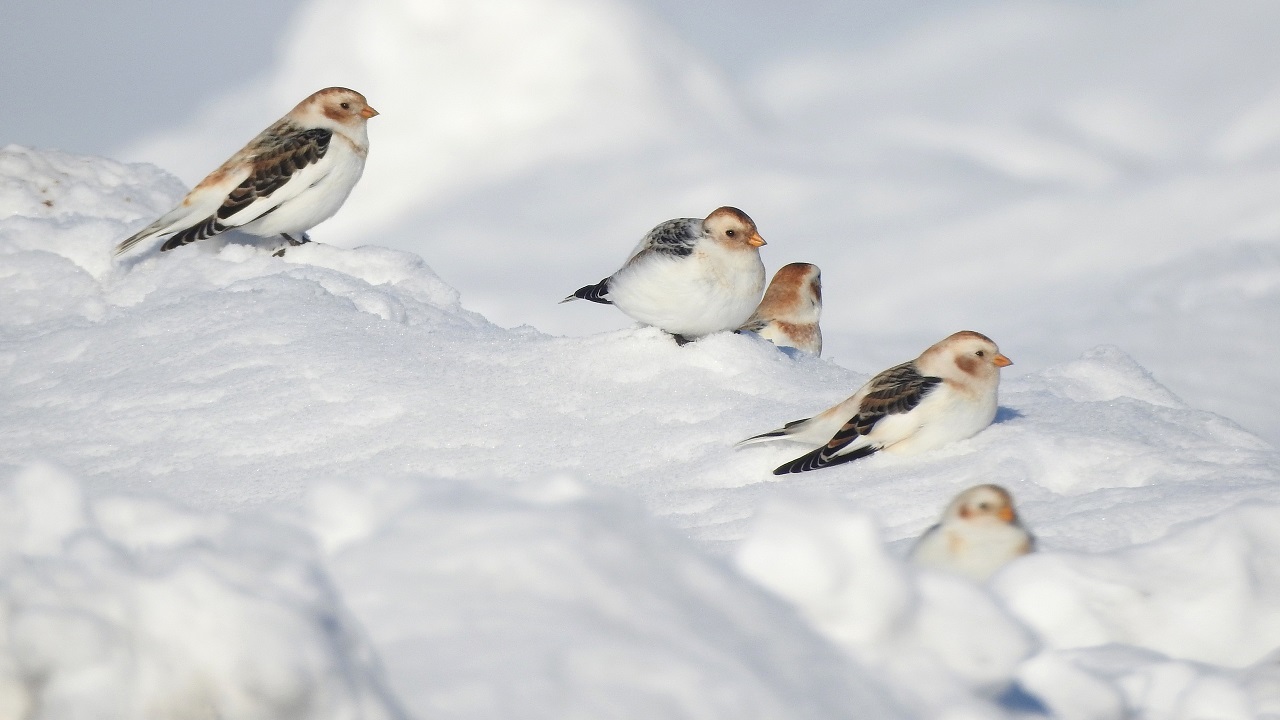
1060	174
236	485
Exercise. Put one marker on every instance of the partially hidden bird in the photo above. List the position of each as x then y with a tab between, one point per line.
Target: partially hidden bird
946	394
290	178
792	306
979	533
690	277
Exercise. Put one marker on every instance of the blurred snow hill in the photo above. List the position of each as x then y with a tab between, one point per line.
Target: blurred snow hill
325	463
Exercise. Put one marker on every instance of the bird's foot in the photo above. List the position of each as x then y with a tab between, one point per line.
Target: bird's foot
294	242
680	339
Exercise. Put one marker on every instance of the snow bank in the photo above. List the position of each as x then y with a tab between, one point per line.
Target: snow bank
328	446
131	607
1208	593
547	599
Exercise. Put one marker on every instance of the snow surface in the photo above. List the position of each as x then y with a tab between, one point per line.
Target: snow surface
234	485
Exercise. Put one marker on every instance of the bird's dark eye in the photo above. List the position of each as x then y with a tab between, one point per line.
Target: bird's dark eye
984	506
730	233
981	353
346	106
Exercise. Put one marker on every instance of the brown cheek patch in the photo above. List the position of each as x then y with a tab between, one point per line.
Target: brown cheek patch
965	512
968	364
335	113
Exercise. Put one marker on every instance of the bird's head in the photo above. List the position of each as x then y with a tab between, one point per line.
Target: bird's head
733	229
964	356
336	106
794	294
983	504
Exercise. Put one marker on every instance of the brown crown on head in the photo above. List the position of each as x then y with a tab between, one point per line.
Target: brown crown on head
789	288
339	104
985	501
739	228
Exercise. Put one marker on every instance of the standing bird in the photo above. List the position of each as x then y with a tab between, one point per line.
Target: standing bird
292	176
946	394
978	534
689	277
789	313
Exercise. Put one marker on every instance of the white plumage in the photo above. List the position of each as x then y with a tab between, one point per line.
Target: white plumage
689	277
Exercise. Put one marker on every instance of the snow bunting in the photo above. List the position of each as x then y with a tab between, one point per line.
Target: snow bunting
946	394
788	315
689	277
291	177
978	534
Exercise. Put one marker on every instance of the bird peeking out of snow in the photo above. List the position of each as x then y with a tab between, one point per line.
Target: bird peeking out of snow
978	534
689	277
946	394
291	177
789	313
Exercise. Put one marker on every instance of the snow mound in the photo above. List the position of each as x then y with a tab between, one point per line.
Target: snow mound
131	607
330	445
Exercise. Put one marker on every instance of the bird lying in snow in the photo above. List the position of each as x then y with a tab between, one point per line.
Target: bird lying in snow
789	313
978	534
946	394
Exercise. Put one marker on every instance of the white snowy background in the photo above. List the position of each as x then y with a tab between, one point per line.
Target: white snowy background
400	481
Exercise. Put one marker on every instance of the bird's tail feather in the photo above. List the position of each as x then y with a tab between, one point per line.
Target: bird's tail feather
143	234
790	428
178	218
595	293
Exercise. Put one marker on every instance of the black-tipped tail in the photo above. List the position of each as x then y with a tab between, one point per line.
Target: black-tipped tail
595	293
780	432
817	460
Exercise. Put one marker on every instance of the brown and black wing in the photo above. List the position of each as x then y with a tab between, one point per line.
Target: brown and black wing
278	161
893	392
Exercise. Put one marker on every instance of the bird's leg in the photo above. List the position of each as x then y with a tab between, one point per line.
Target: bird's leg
680	339
292	242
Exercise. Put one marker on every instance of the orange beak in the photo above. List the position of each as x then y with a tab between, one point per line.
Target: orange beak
1001	361
368	112
1006	514
756	241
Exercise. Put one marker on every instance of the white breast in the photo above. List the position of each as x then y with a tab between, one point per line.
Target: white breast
972	550
944	416
712	290
322	188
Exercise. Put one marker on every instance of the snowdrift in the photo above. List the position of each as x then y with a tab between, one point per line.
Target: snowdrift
317	486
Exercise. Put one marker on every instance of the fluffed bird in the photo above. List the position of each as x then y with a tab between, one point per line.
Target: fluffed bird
946	394
789	313
978	534
288	179
689	277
